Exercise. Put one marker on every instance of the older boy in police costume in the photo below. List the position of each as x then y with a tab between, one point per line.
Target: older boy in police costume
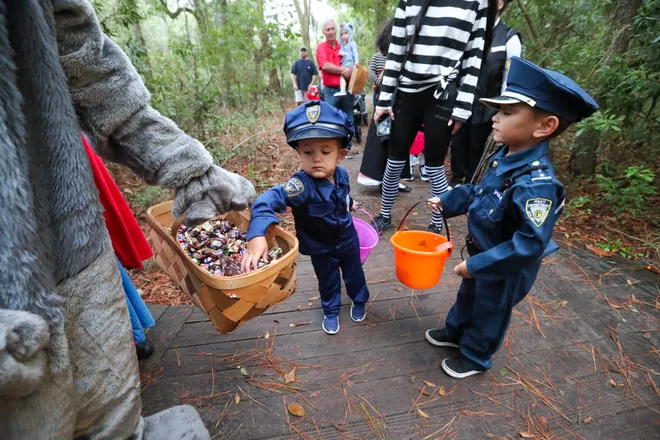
511	213
320	200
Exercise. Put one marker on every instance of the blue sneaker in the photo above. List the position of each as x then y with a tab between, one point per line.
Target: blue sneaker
358	312
330	324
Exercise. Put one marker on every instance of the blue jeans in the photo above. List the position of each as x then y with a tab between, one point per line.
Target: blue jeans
343	103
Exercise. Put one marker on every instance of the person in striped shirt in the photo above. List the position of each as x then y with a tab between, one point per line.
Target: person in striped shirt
431	73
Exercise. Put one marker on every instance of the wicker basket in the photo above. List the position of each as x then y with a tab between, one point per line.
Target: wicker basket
228	301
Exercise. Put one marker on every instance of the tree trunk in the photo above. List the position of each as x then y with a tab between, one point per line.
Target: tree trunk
382	13
304	11
530	23
584	157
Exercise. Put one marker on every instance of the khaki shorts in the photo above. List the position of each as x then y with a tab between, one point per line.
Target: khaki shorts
301	95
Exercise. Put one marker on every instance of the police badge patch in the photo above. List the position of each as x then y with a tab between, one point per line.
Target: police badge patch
313	113
538	210
294	187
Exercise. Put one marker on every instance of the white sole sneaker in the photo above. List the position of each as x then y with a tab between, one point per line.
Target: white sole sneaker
328	331
458	375
438	343
357	320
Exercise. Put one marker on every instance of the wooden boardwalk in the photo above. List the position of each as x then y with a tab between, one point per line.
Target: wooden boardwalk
581	359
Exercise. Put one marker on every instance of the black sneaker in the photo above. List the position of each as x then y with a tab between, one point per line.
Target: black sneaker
382	223
404	189
435	229
458	367
144	349
438	337
422	174
454	182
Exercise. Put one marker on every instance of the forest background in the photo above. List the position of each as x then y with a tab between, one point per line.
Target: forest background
220	69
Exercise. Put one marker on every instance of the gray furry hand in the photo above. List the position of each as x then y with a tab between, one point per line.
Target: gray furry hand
24	337
216	192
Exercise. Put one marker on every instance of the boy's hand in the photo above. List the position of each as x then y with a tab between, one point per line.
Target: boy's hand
257	248
462	271
435	203
355	206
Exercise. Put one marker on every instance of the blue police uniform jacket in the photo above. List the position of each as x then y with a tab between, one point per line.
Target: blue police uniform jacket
320	209
512	227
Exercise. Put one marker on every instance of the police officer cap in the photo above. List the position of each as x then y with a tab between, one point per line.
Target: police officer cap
544	89
317	119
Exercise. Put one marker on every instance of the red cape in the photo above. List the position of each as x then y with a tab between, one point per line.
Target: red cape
128	240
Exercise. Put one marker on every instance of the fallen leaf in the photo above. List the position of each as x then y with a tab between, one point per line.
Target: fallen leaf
292	325
629	282
612	383
414	213
128	191
647	335
315	394
309	304
587	420
564	303
527	435
299	324
290	376
297	409
599	252
244	371
185	395
441	391
423	414
299	307
633	308
622	384
267	335
425	392
635	300
237	399
503	371
429	384
314	298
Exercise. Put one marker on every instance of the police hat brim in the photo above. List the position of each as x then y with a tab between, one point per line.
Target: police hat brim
315	132
508	97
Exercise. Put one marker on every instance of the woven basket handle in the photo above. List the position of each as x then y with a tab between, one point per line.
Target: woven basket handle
444	220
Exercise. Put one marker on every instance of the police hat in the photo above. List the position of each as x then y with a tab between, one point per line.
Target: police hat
544	89
317	119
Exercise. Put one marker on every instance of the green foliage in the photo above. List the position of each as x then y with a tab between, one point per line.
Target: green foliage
628	192
147	196
602	122
580	205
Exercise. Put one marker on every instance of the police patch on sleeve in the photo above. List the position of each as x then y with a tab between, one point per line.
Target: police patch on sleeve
294	187
537	210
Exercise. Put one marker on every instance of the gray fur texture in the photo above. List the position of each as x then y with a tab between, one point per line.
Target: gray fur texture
24	338
179	422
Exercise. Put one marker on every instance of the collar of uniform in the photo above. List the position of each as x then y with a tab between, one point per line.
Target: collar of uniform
325	187
518	160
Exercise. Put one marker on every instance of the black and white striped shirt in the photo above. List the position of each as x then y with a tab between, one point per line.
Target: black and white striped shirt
376	66
450	45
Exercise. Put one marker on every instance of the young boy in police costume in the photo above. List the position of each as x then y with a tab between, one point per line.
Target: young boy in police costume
320	200
511	213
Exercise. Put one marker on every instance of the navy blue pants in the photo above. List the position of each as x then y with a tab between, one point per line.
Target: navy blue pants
480	317
327	266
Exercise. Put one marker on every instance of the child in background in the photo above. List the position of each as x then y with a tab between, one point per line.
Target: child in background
349	54
511	213
320	201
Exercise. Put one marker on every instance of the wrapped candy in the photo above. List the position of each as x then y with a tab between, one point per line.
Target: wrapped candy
218	247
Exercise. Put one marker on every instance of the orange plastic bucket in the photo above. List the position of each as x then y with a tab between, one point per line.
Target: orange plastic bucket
420	256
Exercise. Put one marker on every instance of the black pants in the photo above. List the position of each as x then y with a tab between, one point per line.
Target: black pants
374	159
467	147
414	110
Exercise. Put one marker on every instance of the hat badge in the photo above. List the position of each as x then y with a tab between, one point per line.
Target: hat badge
313	113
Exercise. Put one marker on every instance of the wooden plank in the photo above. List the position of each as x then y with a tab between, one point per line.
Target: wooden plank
162	335
156	310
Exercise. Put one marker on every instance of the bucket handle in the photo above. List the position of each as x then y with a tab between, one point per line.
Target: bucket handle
368	215
413	207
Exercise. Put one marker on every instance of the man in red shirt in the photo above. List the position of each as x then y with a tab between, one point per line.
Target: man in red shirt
329	62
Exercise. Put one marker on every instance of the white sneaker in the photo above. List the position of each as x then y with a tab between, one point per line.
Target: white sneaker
367	181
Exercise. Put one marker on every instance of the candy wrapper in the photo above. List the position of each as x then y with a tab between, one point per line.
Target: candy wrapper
218	247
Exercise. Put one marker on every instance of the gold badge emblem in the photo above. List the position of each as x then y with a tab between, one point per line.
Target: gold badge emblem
313	113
